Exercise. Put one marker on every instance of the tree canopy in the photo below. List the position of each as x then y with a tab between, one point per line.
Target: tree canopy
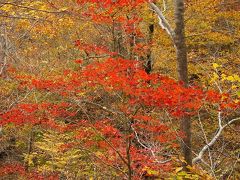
119	89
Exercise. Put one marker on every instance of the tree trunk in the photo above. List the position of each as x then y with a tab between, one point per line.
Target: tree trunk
149	60
182	69
3	52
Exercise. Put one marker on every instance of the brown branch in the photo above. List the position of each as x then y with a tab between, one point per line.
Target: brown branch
21	17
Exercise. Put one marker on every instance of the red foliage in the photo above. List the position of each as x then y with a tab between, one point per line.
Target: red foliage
20	171
127	78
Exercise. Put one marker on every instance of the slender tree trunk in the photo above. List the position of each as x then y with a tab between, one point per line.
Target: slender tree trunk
182	70
149	60
30	144
180	44
3	52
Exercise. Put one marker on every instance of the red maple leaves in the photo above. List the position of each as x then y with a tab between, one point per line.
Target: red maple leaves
20	172
123	127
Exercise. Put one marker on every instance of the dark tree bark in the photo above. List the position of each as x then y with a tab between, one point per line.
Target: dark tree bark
182	69
149	60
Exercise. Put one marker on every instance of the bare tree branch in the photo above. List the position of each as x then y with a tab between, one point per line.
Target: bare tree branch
149	148
162	20
215	138
22	17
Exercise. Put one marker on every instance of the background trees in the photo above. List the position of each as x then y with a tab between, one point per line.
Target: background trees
85	94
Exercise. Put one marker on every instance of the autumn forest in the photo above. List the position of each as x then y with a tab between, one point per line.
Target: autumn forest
119	89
